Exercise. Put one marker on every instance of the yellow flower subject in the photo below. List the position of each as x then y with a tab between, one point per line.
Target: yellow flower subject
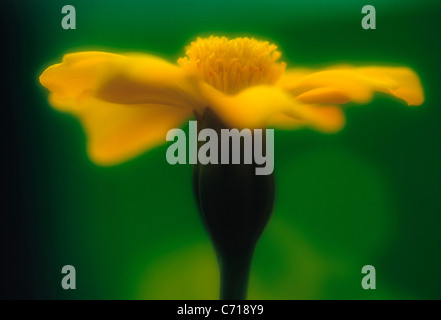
127	103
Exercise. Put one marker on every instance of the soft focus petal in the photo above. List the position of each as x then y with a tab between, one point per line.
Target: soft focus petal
148	79
259	106
328	119
116	132
346	84
405	84
123	79
291	76
75	77
324	95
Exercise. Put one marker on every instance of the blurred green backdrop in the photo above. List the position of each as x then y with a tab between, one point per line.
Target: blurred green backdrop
368	195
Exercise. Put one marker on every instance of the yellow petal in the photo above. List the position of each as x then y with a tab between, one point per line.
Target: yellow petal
324	95
291	76
116	133
328	119
143	78
259	106
339	86
123	79
405	84
76	76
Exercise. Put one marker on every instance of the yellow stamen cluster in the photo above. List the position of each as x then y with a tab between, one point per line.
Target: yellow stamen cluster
233	65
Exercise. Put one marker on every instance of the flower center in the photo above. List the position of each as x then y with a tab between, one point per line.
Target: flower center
233	65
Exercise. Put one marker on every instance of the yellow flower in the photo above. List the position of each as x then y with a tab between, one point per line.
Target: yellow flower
127	103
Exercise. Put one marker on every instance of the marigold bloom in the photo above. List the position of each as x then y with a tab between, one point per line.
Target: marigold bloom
127	103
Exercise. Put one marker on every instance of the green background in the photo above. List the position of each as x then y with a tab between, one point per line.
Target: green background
367	195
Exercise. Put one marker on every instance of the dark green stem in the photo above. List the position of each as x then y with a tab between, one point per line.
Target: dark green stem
234	275
235	205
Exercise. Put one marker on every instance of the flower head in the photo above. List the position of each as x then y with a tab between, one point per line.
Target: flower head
127	103
233	65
